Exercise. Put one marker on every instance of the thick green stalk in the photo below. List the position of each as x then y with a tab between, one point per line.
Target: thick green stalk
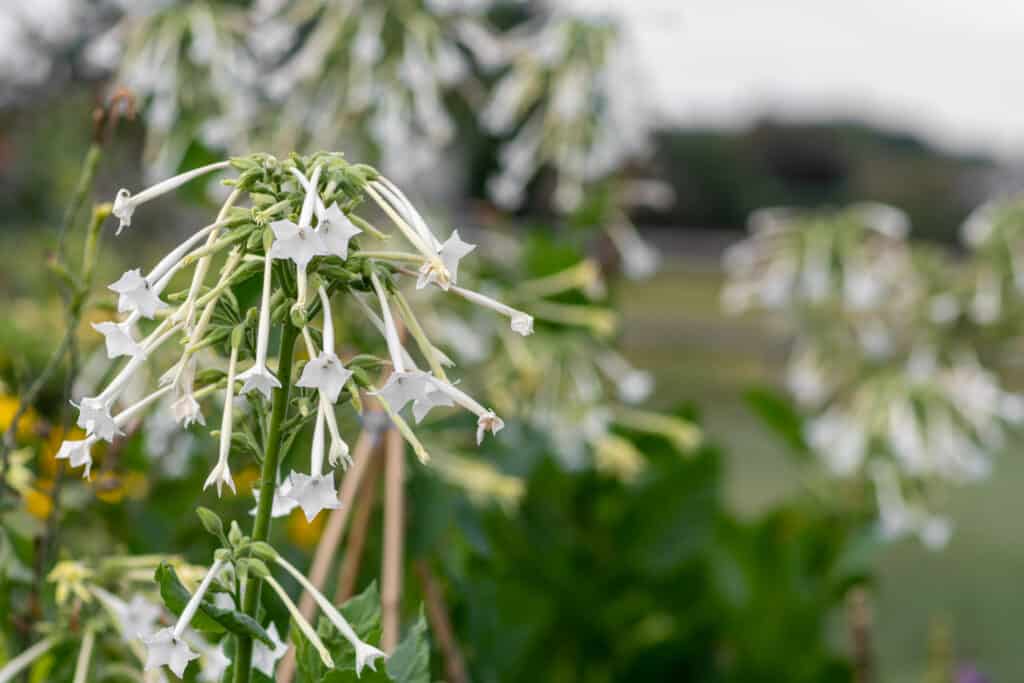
268	480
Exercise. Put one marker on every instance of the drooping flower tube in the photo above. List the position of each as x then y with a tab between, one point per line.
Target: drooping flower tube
125	202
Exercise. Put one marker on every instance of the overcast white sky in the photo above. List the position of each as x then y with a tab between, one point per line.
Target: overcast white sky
951	70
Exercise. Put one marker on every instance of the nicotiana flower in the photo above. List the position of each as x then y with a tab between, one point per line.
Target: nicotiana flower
366	654
221	473
313	493
264	659
136	618
258	377
335	230
522	323
125	203
118	338
94	417
167	646
451	253
326	373
163	648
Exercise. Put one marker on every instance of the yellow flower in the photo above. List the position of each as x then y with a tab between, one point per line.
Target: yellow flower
246	479
8	407
37	503
135	484
70	578
302	533
109	487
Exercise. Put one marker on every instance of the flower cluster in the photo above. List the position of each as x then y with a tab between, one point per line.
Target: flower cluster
220	73
304	240
562	102
884	362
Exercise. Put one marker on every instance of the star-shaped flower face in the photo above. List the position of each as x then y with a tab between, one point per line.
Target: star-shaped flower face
522	324
264	658
488	422
187	411
118	339
402	387
136	294
94	417
300	243
313	493
451	253
220	475
367	655
431	398
78	454
326	373
283	502
335	229
260	379
139	617
215	663
164	649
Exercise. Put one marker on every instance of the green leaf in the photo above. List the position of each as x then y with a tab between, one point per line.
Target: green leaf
176	596
208	618
363	611
410	662
779	414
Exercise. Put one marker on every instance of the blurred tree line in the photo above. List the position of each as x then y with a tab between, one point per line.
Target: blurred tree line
720	177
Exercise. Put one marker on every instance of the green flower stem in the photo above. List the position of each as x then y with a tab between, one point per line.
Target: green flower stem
268	480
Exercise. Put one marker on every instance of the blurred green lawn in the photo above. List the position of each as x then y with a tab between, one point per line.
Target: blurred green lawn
673	327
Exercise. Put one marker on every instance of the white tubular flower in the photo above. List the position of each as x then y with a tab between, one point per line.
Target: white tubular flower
402	385
136	294
161	334
215	660
430	398
136	618
487	420
450	253
326	373
264	658
193	604
125	203
221	473
169	264
164	648
301	622
186	408
335	230
78	452
443	267
258	377
315	492
338	454
283	503
298	241
522	323
118	337
633	385
94	417
366	654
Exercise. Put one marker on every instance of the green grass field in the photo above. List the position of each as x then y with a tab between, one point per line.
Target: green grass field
673	327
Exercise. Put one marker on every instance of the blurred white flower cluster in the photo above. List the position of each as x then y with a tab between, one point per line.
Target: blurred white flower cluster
567	100
287	74
889	362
